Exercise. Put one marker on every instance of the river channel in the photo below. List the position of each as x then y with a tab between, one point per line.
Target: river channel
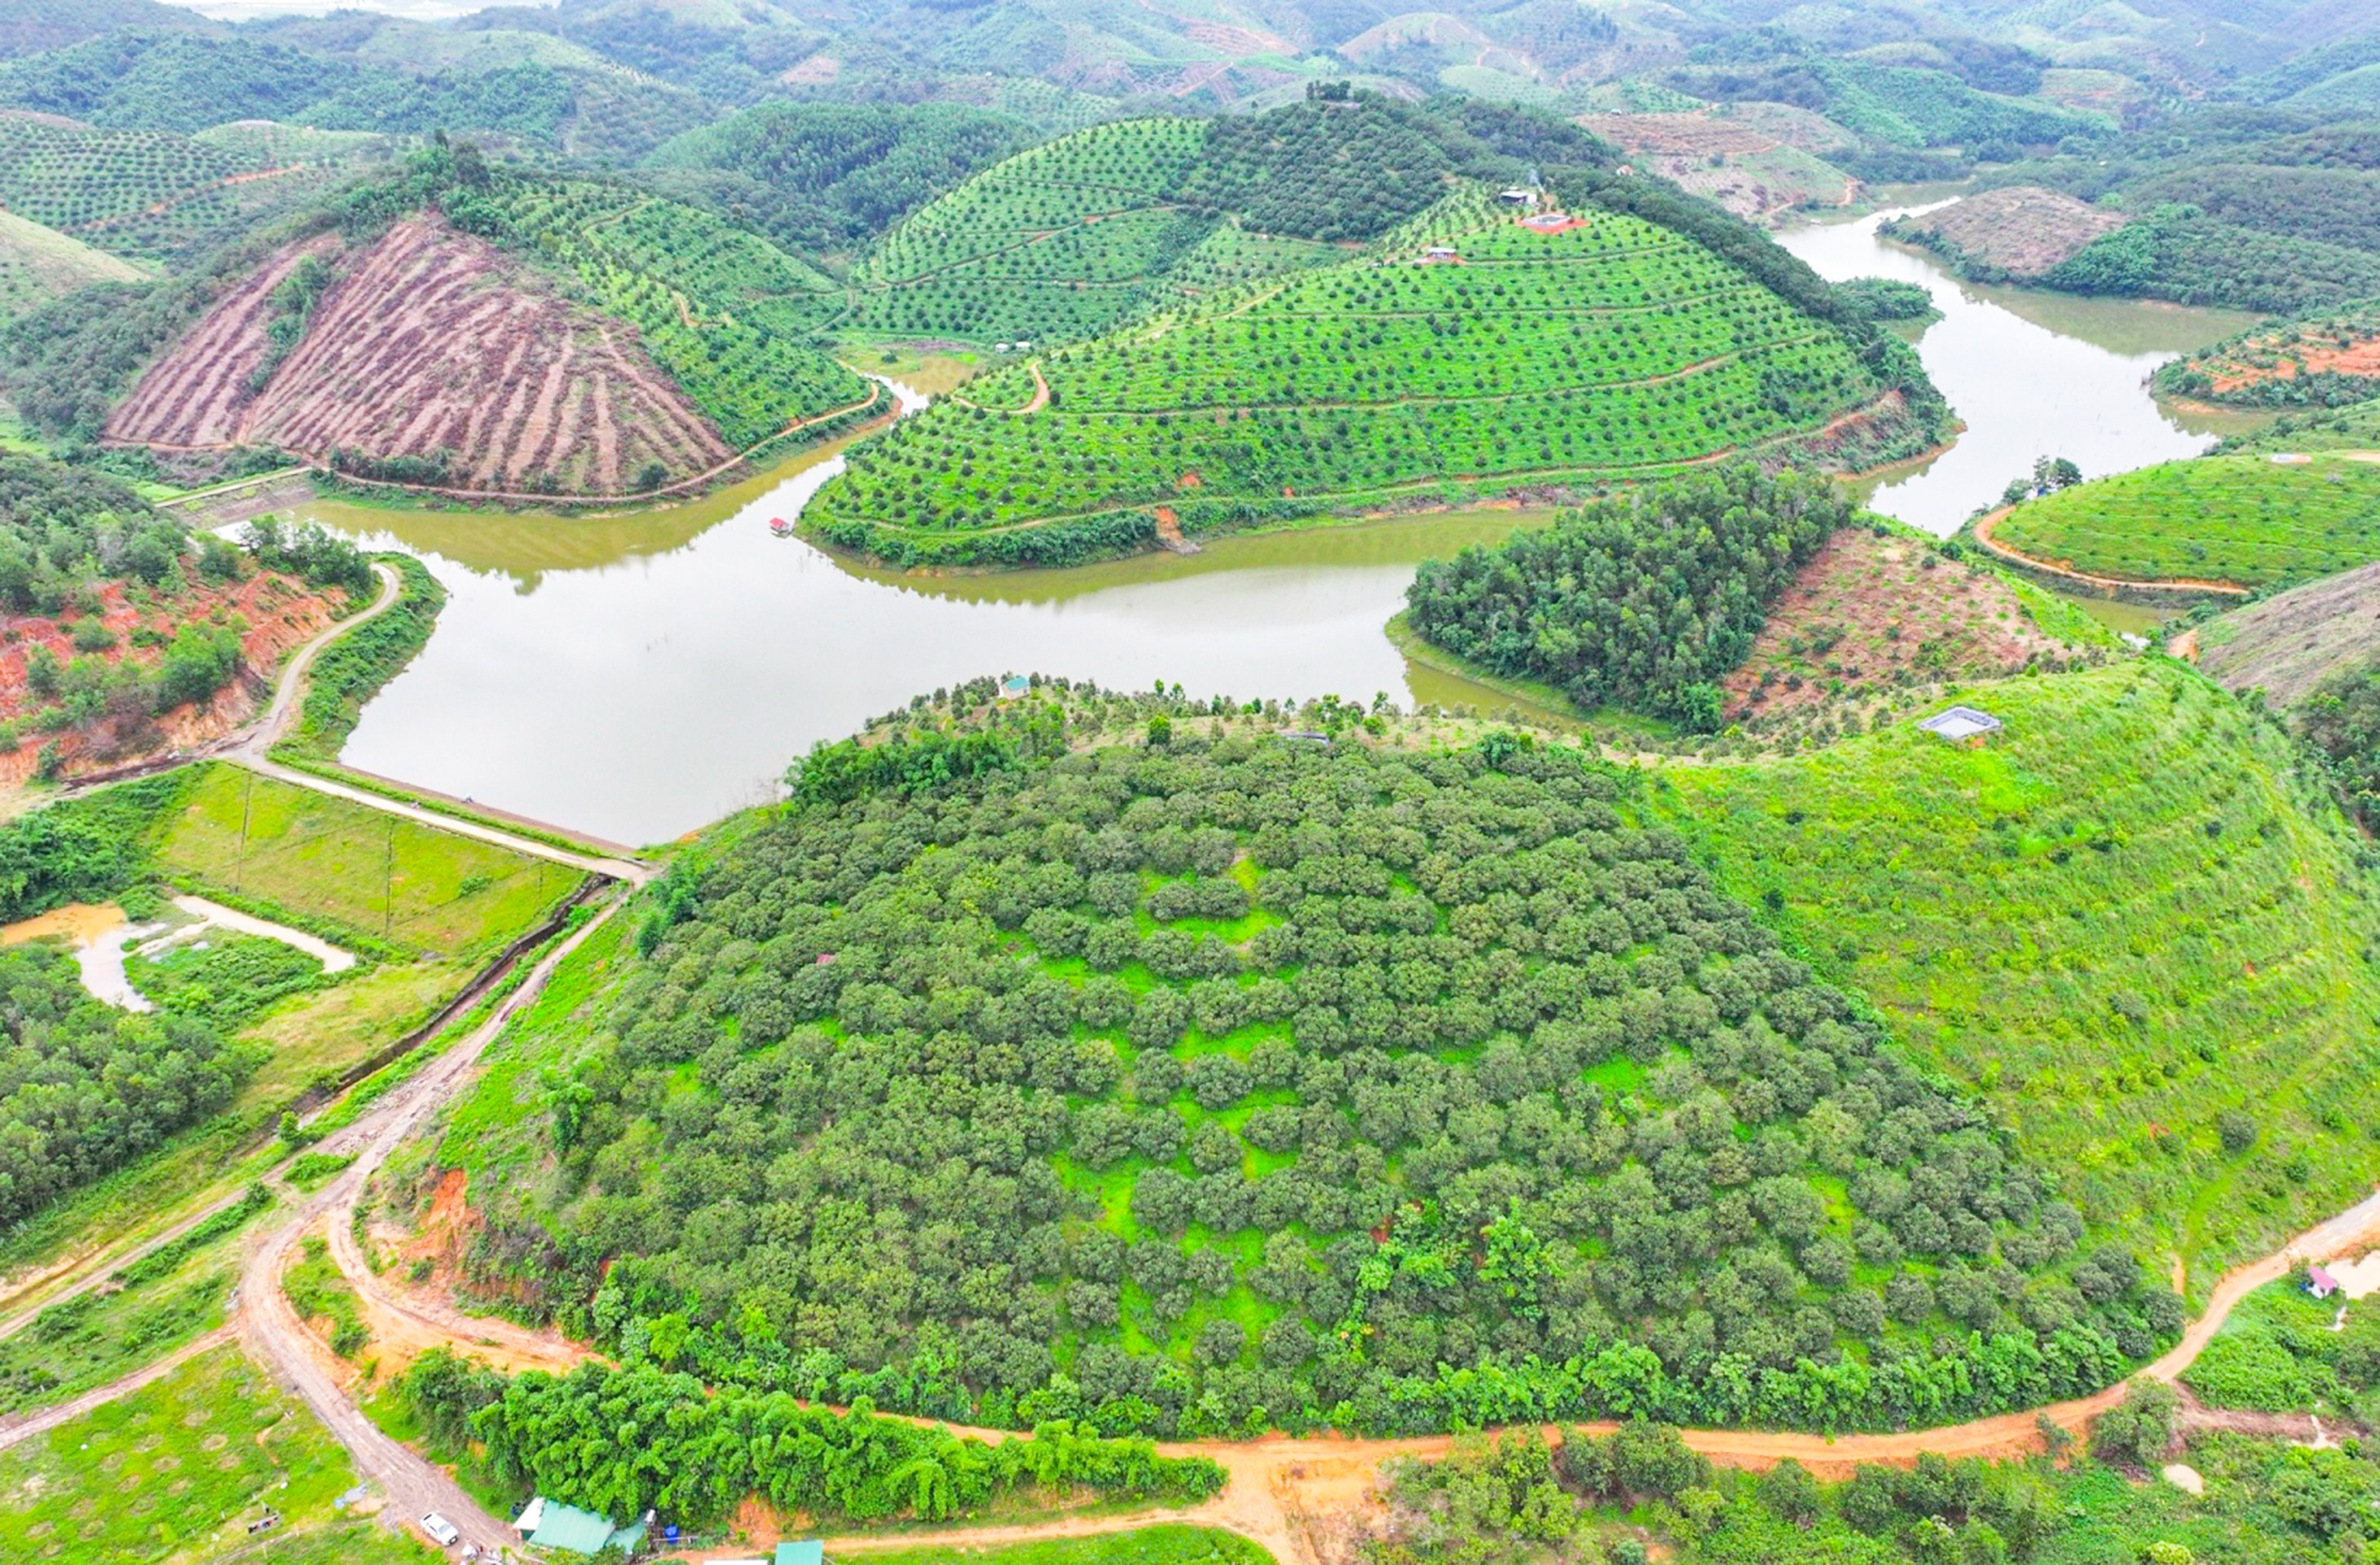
638	676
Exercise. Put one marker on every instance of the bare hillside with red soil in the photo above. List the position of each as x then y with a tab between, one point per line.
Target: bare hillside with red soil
272	611
430	343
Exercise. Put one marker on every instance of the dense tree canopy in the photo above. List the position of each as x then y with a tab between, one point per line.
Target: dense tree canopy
1642	600
1202	1084
86	1088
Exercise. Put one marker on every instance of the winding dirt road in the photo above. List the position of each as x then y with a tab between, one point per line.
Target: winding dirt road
275	1337
2181	586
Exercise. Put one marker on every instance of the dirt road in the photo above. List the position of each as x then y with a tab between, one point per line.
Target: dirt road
273	1335
1986	526
18	1427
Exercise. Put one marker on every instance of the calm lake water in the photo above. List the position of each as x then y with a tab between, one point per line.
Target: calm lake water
638	676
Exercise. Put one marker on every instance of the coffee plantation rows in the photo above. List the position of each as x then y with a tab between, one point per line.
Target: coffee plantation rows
728	314
1110	223
2251	520
1216	1080
1051	243
153	195
1614	347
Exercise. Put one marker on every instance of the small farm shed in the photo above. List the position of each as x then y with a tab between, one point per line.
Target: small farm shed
1518	196
1441	255
1960	724
549	1525
1015	687
807	1551
2320	1283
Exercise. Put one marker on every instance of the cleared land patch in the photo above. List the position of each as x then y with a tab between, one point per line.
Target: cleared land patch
2321	361
2293	641
2022	230
1879	609
1738	165
2247	520
432	344
2127	913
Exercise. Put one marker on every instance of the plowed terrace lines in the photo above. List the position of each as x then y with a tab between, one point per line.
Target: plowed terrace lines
431	342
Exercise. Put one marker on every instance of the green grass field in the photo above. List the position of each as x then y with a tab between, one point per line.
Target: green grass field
350	868
2127	913
37	264
1613	348
2242	519
176	1472
1143	1546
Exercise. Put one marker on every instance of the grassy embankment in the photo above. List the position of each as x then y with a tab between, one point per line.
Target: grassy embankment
427	908
176	1472
2244	520
2130	913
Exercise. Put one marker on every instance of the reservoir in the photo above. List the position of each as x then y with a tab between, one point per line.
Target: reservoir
638	676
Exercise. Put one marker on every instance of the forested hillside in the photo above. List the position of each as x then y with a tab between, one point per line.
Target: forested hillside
1171	1079
1472	352
1646	601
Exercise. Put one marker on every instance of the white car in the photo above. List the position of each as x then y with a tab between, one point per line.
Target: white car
442	1532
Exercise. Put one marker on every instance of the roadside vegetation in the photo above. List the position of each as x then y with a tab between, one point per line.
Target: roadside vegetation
2246	520
1642	1495
2130	919
696	1454
1170	1544
2282	1351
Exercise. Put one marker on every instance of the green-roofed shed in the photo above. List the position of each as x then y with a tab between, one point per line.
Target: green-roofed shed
582	1531
809	1551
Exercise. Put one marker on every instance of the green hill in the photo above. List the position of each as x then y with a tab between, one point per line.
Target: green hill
1611	349
2130	914
156	195
826	176
1208	1080
1058	242
1112	223
38	264
2248	520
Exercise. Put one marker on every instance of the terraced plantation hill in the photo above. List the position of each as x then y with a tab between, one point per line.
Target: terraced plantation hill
2253	521
1520	358
1223	1081
1108	224
2327	361
612	345
1062	241
2131	918
38	264
156	195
